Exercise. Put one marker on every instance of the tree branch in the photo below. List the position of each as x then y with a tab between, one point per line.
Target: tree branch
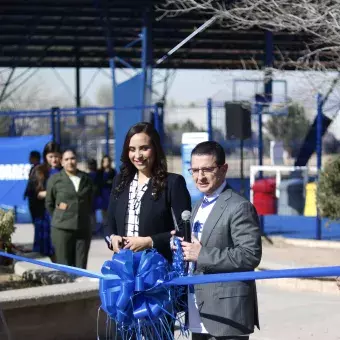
319	20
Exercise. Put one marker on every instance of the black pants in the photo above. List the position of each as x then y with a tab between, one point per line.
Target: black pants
197	336
71	246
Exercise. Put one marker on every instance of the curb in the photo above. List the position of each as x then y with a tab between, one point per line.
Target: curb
305	285
302	242
324	285
20	267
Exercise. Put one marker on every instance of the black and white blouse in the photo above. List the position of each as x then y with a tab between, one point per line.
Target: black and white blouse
136	193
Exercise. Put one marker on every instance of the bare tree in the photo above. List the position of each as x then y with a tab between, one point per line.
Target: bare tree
319	20
104	95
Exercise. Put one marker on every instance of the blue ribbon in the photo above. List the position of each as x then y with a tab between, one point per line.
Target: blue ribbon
198	279
56	266
138	299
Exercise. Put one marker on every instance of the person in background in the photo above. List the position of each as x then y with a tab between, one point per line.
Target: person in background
145	197
92	168
34	159
42	222
106	175
69	201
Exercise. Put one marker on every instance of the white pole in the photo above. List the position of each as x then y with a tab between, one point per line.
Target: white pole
200	29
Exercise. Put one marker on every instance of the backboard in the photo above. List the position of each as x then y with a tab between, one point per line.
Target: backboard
247	89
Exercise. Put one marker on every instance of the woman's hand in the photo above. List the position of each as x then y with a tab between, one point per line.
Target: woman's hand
116	243
172	240
137	243
41	195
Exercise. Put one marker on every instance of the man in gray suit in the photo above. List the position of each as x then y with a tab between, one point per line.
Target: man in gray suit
226	239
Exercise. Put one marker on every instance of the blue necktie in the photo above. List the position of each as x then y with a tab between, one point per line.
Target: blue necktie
196	229
205	202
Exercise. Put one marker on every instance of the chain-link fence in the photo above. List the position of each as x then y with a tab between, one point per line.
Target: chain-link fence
86	132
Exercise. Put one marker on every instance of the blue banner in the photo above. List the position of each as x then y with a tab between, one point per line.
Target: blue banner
14	171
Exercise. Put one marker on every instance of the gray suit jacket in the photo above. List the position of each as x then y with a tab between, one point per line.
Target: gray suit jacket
231	242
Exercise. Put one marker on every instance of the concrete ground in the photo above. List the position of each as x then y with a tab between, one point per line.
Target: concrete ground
297	315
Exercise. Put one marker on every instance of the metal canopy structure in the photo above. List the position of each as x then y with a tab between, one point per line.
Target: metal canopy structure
86	33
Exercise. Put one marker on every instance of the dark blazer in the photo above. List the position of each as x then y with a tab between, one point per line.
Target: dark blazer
30	187
231	241
60	189
35	205
155	219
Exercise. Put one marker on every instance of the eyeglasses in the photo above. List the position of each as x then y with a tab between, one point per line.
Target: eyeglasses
195	171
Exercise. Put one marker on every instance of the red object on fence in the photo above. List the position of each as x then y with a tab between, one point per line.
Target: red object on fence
264	196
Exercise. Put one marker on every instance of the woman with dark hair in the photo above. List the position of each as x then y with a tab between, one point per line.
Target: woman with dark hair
69	201
42	225
105	176
145	198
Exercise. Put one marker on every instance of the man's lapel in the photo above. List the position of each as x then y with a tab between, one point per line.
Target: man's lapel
195	209
215	214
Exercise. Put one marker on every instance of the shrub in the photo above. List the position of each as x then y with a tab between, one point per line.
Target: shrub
328	193
7	227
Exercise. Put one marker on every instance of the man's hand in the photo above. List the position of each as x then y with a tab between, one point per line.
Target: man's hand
191	250
42	195
137	243
116	243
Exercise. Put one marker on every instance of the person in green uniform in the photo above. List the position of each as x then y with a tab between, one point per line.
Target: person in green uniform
69	201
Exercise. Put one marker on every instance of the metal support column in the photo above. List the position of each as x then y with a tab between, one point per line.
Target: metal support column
103	13
161	121
156	119
52	122
107	133
319	157
12	128
58	126
268	91
269	60
258	111
78	95
209	111
80	120
147	58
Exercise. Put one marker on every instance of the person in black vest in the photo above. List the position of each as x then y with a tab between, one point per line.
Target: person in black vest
106	175
144	195
92	168
30	193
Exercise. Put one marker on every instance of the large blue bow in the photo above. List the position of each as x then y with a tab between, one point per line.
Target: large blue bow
136	295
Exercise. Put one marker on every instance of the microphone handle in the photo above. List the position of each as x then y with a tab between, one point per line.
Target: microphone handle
187	231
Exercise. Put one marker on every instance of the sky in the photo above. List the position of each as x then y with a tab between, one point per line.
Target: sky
188	86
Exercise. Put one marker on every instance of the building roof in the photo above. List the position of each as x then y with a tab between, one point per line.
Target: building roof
67	33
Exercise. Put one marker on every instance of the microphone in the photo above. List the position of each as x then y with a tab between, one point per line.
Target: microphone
186	227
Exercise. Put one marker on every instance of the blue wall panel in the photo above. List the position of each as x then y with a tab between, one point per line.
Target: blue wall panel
127	94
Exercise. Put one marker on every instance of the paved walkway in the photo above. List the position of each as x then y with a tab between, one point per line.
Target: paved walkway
305	253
